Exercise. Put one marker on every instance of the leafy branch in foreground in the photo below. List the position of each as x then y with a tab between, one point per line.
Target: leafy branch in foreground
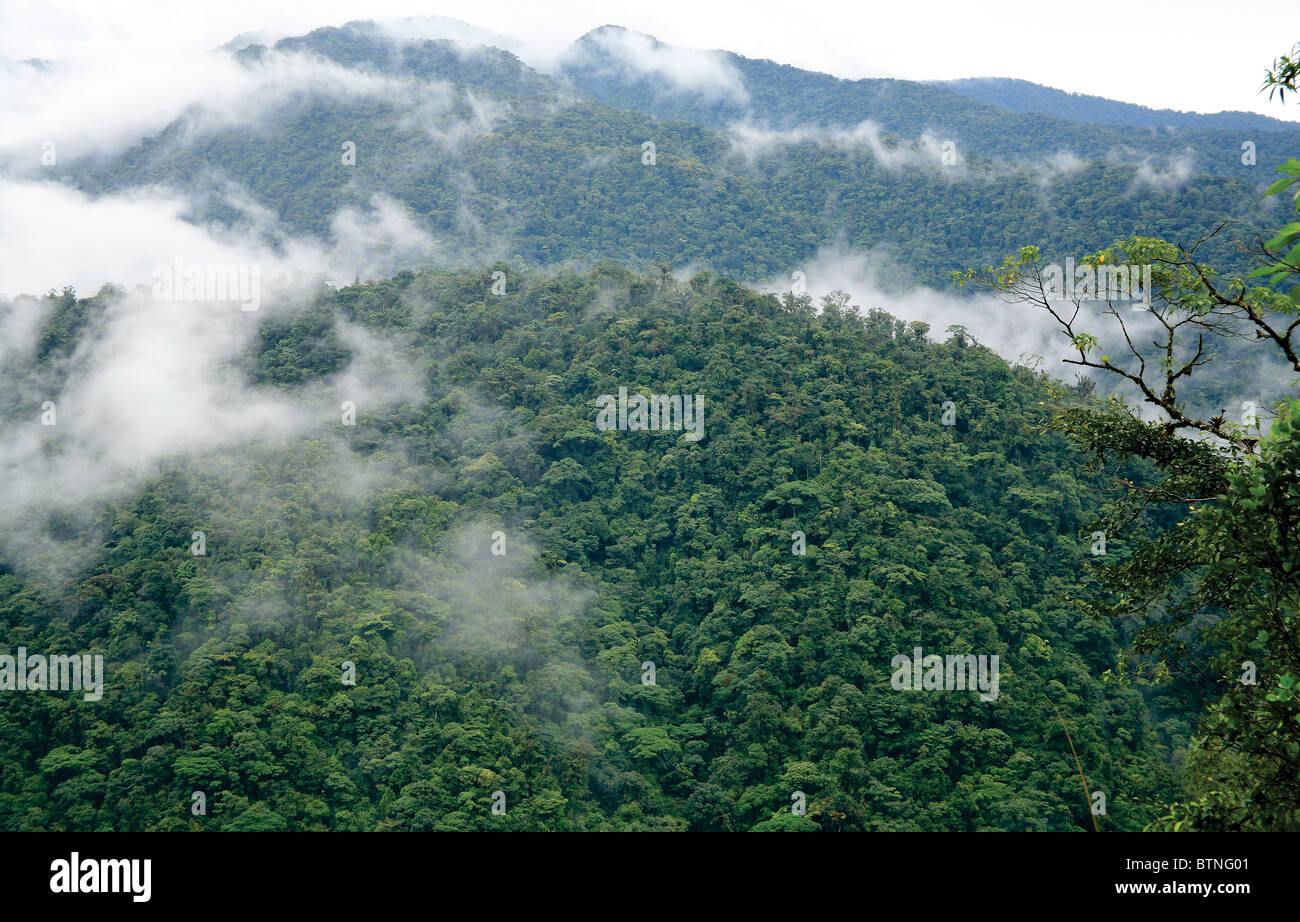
1190	307
1213	575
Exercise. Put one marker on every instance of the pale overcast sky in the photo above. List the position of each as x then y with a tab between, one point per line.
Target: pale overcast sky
1178	54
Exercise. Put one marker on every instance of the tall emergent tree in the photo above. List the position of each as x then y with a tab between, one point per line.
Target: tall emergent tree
1207	519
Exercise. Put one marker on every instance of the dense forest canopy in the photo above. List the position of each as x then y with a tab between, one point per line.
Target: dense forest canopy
547	508
522	672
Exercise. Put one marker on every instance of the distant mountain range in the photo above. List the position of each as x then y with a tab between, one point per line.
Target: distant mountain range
1023	96
1006	119
634	149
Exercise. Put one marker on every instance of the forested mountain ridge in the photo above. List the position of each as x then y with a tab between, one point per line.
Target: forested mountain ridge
1024	96
523	673
493	160
779	96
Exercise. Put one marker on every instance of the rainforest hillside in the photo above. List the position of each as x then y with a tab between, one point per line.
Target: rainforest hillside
610	629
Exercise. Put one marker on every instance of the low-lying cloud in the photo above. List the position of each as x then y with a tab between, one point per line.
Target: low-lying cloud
152	381
753	141
1016	332
1170	177
622	53
54	236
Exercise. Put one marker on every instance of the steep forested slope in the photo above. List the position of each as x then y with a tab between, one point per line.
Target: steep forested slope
499	570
